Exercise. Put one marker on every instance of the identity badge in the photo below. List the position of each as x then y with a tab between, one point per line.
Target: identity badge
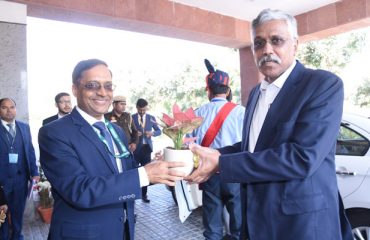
13	157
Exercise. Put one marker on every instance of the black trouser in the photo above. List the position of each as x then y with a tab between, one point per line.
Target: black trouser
143	156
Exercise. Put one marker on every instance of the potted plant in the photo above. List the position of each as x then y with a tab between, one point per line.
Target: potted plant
176	128
45	208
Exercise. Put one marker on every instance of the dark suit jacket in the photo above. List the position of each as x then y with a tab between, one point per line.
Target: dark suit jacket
89	194
50	119
289	185
24	130
150	124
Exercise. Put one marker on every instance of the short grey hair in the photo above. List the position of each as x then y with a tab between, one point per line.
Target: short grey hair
268	15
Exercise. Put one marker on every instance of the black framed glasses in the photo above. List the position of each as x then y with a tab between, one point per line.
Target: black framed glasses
275	41
95	86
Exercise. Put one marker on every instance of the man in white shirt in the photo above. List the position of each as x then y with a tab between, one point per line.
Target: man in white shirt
64	105
285	160
87	162
17	167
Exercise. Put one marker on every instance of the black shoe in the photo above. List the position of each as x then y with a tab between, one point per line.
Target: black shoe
146	200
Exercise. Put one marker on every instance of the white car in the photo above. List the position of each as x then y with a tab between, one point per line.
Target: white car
353	172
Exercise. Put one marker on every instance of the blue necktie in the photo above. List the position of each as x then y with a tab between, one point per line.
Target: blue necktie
105	134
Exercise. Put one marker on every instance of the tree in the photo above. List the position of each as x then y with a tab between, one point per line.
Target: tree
187	89
332	53
362	97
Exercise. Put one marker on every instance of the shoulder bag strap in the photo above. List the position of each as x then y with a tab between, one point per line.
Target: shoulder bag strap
215	126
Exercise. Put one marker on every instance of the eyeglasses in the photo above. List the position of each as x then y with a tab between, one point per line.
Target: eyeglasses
275	41
95	86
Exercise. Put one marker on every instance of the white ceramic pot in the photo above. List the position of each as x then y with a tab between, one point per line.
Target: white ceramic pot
186	156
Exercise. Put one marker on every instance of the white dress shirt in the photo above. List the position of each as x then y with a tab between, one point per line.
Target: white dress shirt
268	93
6	126
143	177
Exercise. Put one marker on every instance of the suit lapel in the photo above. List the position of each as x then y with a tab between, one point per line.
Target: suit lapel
3	134
274	112
88	132
249	115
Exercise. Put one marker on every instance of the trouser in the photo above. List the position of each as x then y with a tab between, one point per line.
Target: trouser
143	156
16	194
216	195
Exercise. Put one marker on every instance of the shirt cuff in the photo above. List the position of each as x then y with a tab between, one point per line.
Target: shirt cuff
144	180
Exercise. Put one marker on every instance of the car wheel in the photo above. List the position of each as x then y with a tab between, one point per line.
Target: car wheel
360	222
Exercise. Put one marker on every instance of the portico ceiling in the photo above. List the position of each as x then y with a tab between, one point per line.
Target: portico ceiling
247	9
220	22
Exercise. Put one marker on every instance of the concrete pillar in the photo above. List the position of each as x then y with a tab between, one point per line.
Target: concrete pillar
249	74
13	56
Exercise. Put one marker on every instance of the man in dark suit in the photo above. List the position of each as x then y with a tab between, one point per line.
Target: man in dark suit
17	166
285	160
64	105
147	128
87	162
124	120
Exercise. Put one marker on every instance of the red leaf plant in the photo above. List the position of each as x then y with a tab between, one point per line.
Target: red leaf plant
180	124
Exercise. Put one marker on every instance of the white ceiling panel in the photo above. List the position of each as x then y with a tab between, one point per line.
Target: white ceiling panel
248	9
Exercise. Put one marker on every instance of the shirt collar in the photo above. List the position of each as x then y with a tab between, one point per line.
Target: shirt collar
60	115
279	82
218	99
5	123
91	120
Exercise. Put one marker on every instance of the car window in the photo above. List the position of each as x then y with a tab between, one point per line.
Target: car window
349	142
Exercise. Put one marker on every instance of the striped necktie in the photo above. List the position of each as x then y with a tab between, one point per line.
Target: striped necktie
106	135
11	129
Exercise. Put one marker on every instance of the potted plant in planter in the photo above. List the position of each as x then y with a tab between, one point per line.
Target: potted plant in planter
45	208
176	128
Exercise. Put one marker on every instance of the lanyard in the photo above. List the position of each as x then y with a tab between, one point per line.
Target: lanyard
116	139
11	142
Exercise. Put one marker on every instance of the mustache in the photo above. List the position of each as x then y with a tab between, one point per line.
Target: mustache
269	58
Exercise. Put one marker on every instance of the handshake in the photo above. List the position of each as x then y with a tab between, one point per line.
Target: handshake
194	165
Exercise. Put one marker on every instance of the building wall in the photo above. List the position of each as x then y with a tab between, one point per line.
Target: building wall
13	56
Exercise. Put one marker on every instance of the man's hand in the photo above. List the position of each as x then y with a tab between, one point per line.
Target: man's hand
149	134
160	172
208	163
4	208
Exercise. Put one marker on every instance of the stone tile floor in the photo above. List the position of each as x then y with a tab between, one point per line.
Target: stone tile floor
156	220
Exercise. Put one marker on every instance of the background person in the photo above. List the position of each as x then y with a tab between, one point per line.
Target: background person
17	166
285	160
124	120
64	105
217	194
87	162
147	127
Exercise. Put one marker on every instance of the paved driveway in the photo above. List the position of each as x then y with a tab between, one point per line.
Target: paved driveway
155	220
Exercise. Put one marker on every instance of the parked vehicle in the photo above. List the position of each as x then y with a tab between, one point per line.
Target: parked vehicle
353	172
